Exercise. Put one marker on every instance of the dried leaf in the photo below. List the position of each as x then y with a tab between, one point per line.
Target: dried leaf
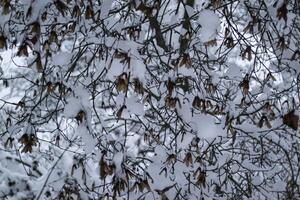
170	86
122	83
188	160
244	85
138	86
38	63
171	159
282	12
119	113
291	120
76	11
89	13
81	115
28	141
61	7
3	42
22	51
6	8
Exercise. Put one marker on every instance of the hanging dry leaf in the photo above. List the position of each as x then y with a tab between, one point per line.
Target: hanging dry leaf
61	7
188	160
171	159
122	83
89	13
170	86
28	141
291	120
138	86
244	85
76	11
282	12
247	53
296	55
3	42
81	115
229	42
119	113
22	51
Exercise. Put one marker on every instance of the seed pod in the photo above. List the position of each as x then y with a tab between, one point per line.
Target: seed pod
261	122
46	46
281	43
291	120
60	6
89	13
171	159
229	42
53	37
244	85
122	83
38	62
138	86
3	42
188	160
20	104
22	51
36	29
71	27
211	43
247	53
76	11
196	102
120	111
171	102
28	141
170	86
50	87
282	12
44	16
6	8
215	3
81	115
186	61
296	55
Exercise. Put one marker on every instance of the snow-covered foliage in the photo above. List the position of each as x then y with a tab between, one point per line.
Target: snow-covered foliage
149	99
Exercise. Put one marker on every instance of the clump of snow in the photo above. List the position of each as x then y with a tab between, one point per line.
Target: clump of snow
87	139
206	127
76	103
105	7
118	159
190	10
116	68
138	69
62	58
210	23
134	106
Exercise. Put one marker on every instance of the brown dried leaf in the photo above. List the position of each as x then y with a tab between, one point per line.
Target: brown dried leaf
61	7
81	115
291	120
282	12
122	83
76	11
119	113
170	86
22	51
171	159
3	42
89	13
188	160
138	86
